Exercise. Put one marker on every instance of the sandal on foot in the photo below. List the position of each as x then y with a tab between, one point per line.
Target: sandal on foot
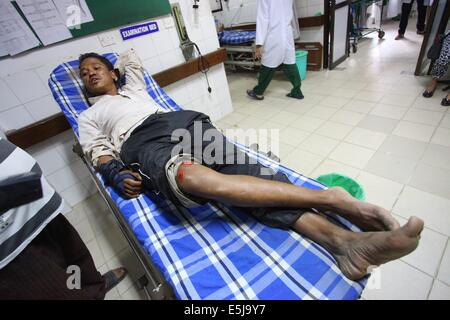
290	95
253	95
112	280
427	94
445	102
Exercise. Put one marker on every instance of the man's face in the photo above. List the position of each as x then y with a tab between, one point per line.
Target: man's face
96	77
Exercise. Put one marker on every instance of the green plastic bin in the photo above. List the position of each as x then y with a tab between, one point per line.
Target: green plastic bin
301	58
340	180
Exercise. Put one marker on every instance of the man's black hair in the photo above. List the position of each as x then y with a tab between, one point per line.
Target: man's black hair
104	60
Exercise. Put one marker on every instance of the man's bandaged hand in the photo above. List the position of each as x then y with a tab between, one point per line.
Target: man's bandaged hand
128	183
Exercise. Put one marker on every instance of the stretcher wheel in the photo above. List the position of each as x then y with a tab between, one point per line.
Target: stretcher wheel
354	48
381	34
142	282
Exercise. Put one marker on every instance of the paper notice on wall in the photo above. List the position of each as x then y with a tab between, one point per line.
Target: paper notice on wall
74	12
15	35
45	20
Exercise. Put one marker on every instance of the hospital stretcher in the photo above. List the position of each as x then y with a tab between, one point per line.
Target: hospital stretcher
213	251
240	47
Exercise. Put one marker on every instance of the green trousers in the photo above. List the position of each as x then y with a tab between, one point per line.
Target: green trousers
266	75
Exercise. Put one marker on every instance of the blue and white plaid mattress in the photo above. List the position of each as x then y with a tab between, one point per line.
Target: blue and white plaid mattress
236	37
218	253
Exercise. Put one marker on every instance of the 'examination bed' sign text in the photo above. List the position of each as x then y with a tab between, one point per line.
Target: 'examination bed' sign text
138	30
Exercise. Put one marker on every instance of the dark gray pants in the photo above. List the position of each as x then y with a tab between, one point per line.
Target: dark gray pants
406	10
40	271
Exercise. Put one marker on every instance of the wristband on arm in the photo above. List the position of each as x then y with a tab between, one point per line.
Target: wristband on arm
111	172
110	169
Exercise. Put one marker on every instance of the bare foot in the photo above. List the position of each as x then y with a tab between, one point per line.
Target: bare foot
367	216
362	250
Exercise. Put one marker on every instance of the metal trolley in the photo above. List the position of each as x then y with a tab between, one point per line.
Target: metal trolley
358	28
240	47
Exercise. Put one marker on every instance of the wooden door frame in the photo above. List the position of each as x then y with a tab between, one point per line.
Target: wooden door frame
429	26
326	33
333	8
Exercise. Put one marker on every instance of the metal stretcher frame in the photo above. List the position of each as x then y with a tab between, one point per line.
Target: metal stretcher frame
241	55
152	281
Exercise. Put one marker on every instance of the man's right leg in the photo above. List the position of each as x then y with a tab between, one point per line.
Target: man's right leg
265	76
356	252
293	75
406	10
422	13
250	191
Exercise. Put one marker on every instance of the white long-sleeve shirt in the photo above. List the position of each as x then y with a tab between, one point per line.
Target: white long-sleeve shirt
274	31
108	123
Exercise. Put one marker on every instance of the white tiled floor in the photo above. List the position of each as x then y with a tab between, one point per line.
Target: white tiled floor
366	120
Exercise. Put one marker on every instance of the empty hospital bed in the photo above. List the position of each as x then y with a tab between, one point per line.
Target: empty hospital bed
211	252
240	47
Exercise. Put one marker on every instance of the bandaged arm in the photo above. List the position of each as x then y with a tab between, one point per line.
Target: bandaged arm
118	176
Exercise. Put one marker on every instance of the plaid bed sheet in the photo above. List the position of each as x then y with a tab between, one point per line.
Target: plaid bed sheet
216	252
236	37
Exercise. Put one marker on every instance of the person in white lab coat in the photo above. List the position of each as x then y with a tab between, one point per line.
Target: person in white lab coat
275	45
406	10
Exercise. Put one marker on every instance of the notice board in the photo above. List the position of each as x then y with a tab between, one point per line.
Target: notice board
108	14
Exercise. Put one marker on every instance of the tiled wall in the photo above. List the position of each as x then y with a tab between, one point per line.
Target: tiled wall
26	98
309	8
237	12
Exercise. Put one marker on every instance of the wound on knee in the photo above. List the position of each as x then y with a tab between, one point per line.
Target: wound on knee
184	172
180	175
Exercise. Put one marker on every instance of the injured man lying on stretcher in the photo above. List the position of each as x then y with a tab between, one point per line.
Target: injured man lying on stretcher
137	147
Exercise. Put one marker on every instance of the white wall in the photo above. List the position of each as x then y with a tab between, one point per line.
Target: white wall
244	11
237	12
309	8
26	98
